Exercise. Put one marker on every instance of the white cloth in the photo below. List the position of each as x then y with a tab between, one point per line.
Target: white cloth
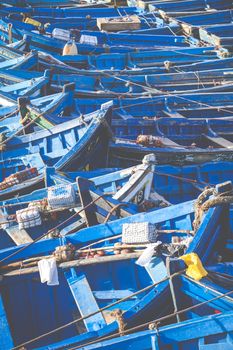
147	254
48	271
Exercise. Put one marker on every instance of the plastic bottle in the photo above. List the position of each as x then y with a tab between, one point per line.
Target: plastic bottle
70	48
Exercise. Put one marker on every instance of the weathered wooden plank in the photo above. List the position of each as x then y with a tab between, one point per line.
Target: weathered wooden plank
156	196
220	141
19	236
173	114
77	263
85	299
112	294
84	186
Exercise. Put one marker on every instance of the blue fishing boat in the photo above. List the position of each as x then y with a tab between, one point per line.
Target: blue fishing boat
213	330
165	105
35	87
58	3
220	35
129	185
192	22
138	63
133	63
191	5
155	105
71	11
201	18
20	62
72	144
107	86
138	301
225	87
177	140
170	142
172	82
139	21
14	50
86	46
150	87
15	115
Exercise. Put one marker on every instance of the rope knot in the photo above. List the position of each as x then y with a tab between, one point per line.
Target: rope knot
2	139
118	314
153	326
203	202
64	253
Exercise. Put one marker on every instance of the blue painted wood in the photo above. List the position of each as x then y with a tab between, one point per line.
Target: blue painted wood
210	142
72	11
158	299
167	182
217	35
34	87
112	228
57	3
129	86
20	62
6	340
113	294
218	17
85	299
53	45
57	151
186	57
97	211
192	5
190	334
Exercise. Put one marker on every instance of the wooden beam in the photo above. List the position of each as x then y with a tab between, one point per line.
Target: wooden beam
19	236
81	262
85	300
220	141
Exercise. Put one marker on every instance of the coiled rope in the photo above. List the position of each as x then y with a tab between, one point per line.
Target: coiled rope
202	204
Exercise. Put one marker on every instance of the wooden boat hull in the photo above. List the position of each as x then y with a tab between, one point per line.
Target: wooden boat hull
207	242
132	185
179	141
122	153
194	332
53	45
128	86
71	145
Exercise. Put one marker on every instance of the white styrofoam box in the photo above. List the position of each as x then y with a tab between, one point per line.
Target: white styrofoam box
28	217
61	34
88	39
140	232
61	196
